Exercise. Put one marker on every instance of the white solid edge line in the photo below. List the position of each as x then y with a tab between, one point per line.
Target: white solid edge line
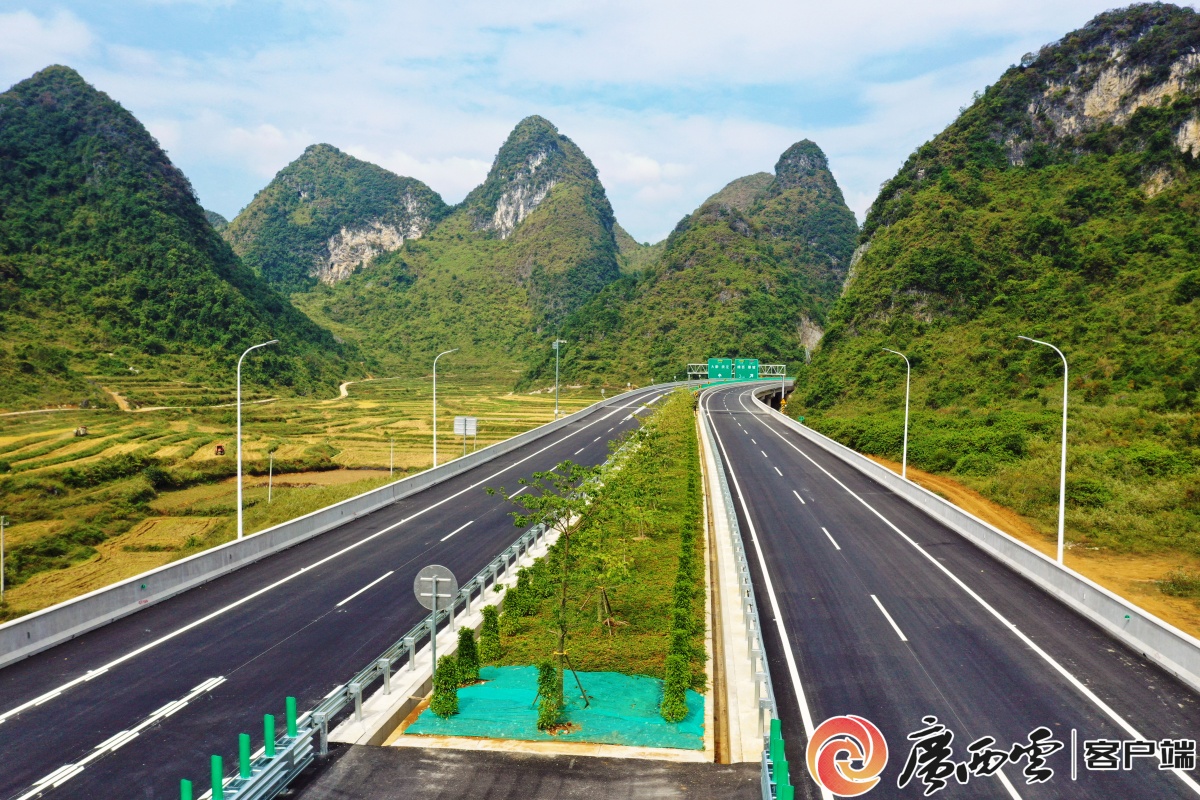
789	656
1032	645
891	621
835	544
213	615
456	530
381	577
798	497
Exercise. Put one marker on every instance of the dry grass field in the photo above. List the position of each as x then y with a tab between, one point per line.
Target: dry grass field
86	511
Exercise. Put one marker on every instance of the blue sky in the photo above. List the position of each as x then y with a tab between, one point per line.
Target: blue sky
671	100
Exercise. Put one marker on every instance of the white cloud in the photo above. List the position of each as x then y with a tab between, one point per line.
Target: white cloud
29	42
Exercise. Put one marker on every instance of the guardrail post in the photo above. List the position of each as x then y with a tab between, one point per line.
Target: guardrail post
410	642
269	735
453	606
244	755
185	790
218	779
356	690
385	666
291	717
321	723
467	591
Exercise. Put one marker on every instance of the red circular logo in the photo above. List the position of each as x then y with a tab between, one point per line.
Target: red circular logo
846	755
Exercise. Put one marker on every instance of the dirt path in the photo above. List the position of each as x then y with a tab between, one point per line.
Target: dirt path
1133	576
119	399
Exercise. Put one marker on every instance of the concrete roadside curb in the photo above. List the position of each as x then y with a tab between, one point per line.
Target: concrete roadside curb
741	701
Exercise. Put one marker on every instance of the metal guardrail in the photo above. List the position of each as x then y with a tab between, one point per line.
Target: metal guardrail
764	689
271	775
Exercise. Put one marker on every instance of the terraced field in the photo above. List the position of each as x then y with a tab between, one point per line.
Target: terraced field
145	487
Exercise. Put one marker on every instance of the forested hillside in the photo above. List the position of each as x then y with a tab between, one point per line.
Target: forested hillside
527	247
1063	205
108	265
326	215
751	273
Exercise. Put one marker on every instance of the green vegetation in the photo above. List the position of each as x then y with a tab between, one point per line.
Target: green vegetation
284	234
143	489
467	656
484	279
446	679
636	581
1008	223
743	275
550	695
489	635
107	261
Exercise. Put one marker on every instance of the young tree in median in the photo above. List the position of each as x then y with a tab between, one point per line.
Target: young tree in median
558	499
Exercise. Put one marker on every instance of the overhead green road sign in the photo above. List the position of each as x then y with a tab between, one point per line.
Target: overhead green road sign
720	369
745	369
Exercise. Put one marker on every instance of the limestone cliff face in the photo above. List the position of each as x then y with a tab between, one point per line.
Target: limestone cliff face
1128	81
533	160
327	214
525	192
353	247
1111	92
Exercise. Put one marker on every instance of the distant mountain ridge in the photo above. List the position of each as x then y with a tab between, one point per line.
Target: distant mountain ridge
105	255
750	273
526	248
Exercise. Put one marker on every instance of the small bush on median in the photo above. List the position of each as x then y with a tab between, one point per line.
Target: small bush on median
489	635
468	657
445	688
550	699
674	703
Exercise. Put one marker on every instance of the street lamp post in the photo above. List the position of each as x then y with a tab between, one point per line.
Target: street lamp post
1	559
1062	468
907	386
435	360
239	429
557	342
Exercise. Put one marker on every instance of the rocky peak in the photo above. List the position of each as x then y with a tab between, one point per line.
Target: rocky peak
533	160
799	164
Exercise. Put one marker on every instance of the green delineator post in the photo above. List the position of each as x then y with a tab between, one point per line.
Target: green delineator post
269	735
776	751
244	755
185	790
218	779
291	717
782	778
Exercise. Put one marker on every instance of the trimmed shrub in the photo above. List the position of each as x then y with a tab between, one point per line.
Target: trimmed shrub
678	676
445	688
489	636
468	657
550	699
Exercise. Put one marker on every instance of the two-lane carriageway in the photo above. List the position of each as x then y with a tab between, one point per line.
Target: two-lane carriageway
872	608
129	709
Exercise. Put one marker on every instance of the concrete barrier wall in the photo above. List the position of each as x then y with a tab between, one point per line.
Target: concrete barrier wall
1166	645
40	630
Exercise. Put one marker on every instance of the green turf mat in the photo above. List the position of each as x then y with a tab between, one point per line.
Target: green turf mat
623	710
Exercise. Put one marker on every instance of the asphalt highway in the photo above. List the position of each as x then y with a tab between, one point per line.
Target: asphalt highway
870	607
208	664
